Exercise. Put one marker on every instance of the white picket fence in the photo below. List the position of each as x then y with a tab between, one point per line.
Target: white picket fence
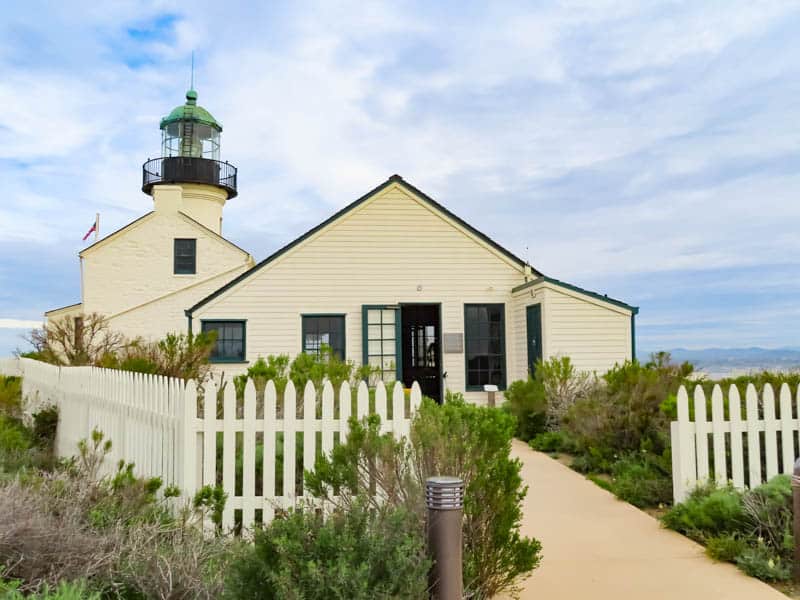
743	451
164	427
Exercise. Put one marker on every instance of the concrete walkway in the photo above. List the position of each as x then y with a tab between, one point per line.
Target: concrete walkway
597	547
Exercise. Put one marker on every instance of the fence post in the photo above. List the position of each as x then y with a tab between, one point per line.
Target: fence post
796	511
444	497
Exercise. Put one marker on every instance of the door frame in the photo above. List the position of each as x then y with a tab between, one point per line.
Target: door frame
439	352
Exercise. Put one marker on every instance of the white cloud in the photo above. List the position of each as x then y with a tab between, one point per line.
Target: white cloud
19	324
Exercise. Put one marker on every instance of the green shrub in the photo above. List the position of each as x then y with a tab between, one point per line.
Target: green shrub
10	396
761	562
274	368
114	533
643	480
9	590
45	426
525	400
360	553
554	441
726	547
768	510
708	512
458	439
625	415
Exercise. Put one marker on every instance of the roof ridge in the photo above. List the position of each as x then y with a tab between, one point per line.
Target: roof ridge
343	211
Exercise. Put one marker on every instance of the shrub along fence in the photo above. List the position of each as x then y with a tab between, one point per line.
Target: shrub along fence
162	425
744	447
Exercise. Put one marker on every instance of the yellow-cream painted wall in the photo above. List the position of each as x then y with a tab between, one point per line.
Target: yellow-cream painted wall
392	249
595	335
203	203
165	314
63	313
135	266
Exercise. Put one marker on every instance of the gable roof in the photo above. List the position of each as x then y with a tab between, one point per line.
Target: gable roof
350	207
212	232
141	219
117	232
568	286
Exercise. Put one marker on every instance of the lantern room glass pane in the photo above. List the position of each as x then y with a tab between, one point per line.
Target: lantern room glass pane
186	138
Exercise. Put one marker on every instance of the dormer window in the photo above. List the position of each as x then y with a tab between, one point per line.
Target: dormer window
185	262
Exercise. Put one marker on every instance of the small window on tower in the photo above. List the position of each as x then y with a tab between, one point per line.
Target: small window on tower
185	257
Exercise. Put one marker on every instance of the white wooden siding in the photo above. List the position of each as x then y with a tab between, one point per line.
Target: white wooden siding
595	336
380	253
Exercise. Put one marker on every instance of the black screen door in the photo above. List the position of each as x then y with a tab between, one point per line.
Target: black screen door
421	345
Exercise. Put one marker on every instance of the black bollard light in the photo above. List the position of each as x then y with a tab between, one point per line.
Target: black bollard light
444	497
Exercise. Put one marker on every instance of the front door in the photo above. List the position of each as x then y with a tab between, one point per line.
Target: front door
421	347
533	316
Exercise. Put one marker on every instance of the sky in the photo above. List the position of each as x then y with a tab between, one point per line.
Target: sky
646	150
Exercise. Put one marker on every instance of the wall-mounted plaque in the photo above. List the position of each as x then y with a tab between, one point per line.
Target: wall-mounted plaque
453	343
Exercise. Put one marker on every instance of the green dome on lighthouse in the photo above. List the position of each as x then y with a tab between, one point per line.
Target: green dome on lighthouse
191	112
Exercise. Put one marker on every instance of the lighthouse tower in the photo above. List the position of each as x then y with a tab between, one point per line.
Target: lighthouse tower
189	176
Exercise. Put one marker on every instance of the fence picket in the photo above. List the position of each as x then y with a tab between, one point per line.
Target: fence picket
718	434
380	405
309	428
701	433
345	410
270	429
684	466
787	430
289	439
399	423
737	431
228	452
249	456
328	425
753	439
210	434
770	431
362	399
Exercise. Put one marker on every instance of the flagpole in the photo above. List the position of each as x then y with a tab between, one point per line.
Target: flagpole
96	226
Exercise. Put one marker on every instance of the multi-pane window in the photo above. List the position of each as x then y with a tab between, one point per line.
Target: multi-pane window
381	343
230	343
323	329
484	337
185	256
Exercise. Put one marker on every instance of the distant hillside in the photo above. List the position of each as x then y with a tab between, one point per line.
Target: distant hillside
737	361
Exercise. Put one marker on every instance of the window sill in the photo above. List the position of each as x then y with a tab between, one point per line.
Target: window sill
472	388
184	274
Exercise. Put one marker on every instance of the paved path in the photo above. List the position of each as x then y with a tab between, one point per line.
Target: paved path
597	547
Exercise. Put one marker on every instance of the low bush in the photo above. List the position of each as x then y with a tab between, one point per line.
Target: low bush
113	533
10	396
642	479
526	401
624	415
360	553
752	528
459	439
726	547
763	563
709	511
10	590
554	441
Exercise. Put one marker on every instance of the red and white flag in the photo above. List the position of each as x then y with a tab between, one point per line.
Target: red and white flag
92	230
